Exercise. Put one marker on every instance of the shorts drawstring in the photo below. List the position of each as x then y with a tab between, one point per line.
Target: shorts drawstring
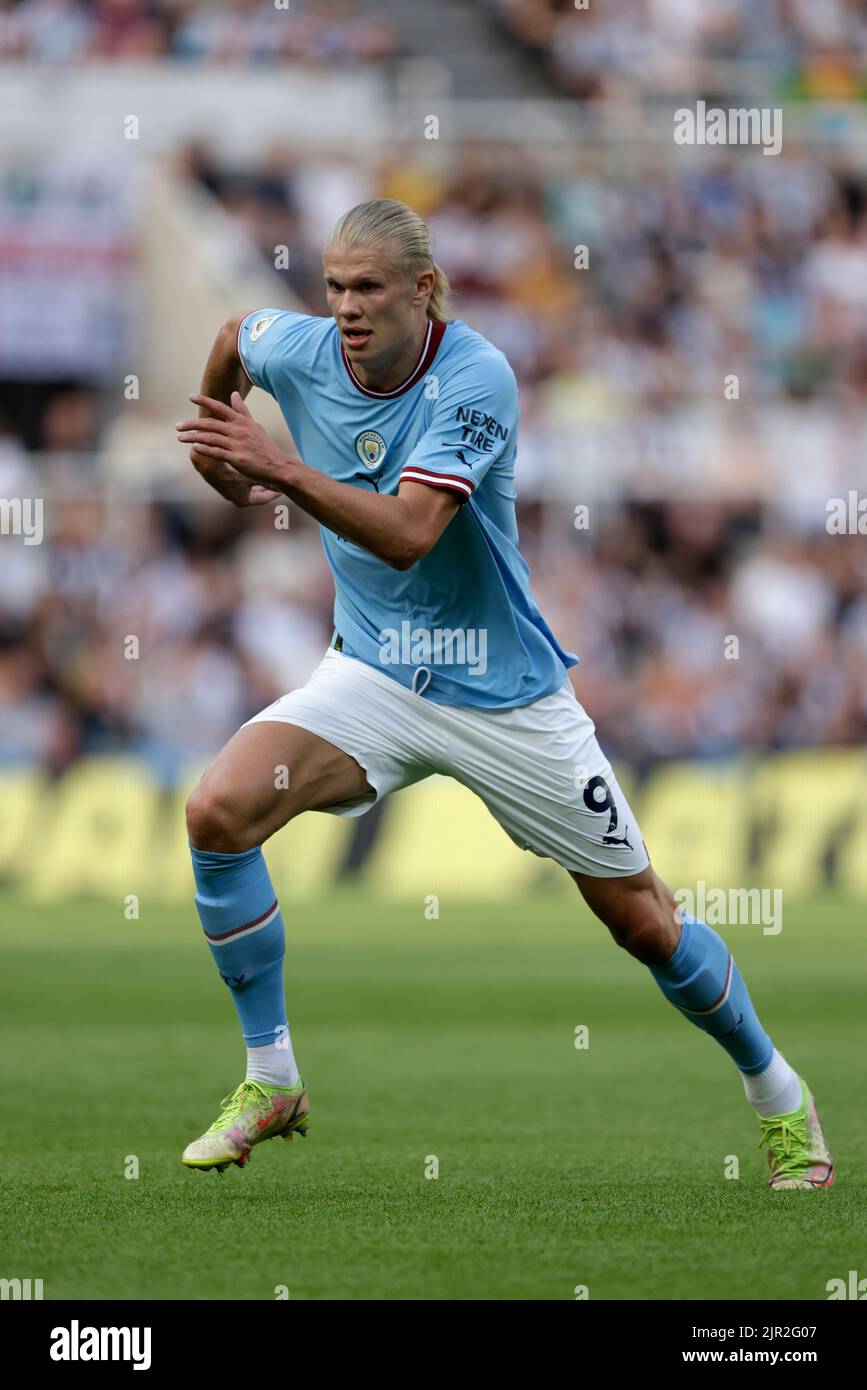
337	644
415	677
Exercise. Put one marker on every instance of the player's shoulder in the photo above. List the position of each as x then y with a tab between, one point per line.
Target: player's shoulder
471	353
466	346
275	345
281	324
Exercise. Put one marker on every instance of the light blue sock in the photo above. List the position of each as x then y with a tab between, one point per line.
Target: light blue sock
241	919
702	980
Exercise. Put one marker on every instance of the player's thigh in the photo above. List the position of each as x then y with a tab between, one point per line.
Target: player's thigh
542	774
267	773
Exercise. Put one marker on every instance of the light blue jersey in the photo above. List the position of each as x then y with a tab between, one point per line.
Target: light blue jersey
464	612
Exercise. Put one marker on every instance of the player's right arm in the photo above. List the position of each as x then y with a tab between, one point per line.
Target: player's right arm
224	373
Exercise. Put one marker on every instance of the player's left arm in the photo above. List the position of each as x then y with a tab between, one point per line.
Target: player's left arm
473	423
398	529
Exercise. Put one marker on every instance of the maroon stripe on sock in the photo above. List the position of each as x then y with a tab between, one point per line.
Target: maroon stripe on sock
716	1003
224	936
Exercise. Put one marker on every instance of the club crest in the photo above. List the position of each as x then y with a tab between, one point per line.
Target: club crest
260	326
370	448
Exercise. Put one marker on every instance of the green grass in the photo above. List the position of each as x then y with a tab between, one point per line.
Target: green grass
452	1038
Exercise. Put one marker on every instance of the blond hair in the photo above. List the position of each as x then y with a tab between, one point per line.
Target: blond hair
386	220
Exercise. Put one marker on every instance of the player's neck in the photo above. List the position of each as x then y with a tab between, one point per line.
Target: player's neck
388	377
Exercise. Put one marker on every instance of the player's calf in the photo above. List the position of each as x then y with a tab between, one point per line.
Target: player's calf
696	972
268	773
689	961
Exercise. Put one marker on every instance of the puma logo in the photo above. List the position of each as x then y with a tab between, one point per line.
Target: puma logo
613	840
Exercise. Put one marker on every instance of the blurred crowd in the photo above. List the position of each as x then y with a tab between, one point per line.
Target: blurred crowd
694	273
626	293
812	48
808	49
704	629
690	339
707	629
313	32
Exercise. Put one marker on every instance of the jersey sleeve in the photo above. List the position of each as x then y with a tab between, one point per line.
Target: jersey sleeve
474	422
264	338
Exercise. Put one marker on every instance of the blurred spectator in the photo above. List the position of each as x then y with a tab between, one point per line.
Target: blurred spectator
229	612
808	48
200	31
712	610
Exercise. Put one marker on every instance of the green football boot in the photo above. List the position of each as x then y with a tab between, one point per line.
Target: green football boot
250	1114
798	1156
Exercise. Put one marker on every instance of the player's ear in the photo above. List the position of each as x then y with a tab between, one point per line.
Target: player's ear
424	286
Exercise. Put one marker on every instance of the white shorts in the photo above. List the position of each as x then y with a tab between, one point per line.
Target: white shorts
538	768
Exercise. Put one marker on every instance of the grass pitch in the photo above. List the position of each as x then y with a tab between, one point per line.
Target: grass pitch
451	1039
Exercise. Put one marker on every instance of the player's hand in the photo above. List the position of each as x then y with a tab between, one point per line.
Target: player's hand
232	438
233	486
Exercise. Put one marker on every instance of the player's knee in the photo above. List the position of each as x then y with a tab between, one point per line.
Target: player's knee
640	935
648	928
212	821
640	915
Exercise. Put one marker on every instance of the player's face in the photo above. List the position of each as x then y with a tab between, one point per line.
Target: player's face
378	308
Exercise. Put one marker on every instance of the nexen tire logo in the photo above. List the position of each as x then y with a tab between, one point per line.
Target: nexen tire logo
76	1343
